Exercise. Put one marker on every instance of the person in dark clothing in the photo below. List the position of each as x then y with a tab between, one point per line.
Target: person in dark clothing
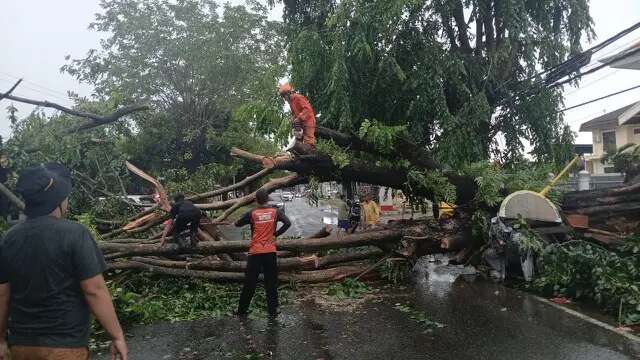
262	252
184	216
355	212
51	277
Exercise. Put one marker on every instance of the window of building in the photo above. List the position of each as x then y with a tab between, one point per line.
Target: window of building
636	131
609	142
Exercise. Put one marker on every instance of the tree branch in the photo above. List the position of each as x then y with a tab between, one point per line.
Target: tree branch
461	24
5	95
12	197
94	119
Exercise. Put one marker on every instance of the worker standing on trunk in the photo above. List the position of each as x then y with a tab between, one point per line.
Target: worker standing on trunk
262	252
184	216
303	119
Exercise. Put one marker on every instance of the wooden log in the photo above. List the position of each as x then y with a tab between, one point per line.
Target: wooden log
577	196
578	202
608	210
376	237
297	263
333	274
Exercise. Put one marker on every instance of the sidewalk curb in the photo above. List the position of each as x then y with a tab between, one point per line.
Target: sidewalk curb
589	319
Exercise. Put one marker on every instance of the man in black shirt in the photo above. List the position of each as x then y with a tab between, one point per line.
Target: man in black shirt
51	277
184	216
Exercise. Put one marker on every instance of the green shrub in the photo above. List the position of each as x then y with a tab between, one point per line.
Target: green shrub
582	270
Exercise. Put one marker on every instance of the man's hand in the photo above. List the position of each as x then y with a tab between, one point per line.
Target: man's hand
118	348
4	349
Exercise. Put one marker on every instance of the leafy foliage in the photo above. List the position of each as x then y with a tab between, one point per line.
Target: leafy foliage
495	182
88	220
382	136
198	64
418	316
435	183
420	65
527	240
626	160
583	270
395	272
142	299
348	289
96	159
338	155
631	245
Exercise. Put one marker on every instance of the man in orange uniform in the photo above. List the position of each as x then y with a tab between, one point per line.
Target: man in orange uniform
262	252
303	119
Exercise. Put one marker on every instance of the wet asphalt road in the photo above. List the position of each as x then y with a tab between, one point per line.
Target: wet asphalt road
481	321
305	220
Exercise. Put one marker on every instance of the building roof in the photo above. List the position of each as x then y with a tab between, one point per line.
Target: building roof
609	120
628	58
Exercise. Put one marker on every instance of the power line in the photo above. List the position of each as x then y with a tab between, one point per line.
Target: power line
594	69
598	99
30	88
591	83
13	78
577	59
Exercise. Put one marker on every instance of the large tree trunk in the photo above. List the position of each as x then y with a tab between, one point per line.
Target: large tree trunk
221	247
315	276
291	263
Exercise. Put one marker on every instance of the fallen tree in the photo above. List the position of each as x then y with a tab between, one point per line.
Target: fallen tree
370	238
326	275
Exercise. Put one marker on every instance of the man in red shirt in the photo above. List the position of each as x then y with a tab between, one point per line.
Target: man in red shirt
303	119
262	252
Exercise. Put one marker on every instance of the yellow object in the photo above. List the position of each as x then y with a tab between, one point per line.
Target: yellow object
445	208
546	190
371	212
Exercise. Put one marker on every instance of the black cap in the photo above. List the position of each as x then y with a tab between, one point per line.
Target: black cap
43	188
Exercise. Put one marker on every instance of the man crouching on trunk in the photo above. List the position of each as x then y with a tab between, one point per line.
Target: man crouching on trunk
51	277
262	252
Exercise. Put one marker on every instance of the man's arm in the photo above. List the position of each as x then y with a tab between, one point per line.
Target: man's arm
286	223
5	293
88	264
97	295
244	220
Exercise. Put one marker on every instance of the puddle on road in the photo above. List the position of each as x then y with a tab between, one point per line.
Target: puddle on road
435	274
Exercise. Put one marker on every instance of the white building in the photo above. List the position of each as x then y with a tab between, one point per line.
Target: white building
610	132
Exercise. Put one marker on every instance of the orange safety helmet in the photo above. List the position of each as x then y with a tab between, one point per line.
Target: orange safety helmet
284	89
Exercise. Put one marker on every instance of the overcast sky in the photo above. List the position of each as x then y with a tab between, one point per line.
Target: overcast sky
35	36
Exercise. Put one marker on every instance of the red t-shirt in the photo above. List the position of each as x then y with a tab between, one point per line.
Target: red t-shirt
263	222
301	108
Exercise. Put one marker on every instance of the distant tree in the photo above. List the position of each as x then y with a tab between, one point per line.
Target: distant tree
195	62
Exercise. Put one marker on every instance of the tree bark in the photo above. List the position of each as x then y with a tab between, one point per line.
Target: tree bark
316	276
376	237
293	263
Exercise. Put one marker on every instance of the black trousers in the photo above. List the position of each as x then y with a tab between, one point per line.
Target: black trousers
268	265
